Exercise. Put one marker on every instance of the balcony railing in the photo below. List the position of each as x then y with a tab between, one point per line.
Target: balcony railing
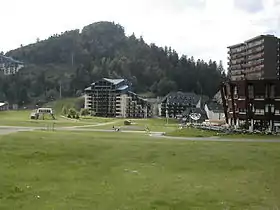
239	55
255	50
256	43
237	50
254	57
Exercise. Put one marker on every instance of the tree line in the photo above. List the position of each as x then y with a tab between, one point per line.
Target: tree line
65	64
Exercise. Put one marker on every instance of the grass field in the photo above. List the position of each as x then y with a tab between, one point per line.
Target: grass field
72	170
140	124
22	118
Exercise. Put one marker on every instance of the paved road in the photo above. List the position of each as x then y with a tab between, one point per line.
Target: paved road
13	129
10	129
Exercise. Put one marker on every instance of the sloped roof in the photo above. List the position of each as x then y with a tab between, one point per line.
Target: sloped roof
182	98
124	87
2	104
87	89
10	59
114	81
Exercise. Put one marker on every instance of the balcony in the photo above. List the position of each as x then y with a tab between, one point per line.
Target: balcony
255	50
235	67
237	72
255	57
236	56
255	69
255	63
237	50
255	44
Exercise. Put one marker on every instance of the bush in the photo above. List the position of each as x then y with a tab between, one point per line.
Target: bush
69	116
77	116
127	122
72	112
85	112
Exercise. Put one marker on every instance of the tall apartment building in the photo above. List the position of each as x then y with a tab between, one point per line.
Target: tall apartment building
255	59
9	65
114	98
252	96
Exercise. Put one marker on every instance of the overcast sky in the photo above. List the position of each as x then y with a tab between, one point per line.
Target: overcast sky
199	28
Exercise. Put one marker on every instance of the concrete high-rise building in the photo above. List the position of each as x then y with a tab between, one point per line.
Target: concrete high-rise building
251	97
114	98
255	59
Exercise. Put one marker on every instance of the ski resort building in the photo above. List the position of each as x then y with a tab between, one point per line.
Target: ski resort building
114	98
9	65
175	103
252	96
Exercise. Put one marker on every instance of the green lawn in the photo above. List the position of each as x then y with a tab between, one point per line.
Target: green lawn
74	170
22	118
159	125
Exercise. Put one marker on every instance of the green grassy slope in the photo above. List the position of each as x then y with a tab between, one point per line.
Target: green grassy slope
22	118
58	170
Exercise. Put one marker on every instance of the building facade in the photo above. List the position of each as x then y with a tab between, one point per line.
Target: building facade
114	98
257	58
176	103
9	65
214	111
252	102
251	97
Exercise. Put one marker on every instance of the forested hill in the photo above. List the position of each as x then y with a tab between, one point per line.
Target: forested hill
75	59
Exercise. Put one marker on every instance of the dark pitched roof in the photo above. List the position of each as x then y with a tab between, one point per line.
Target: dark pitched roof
181	98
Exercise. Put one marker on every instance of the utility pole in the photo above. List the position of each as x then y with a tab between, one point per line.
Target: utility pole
166	111
60	89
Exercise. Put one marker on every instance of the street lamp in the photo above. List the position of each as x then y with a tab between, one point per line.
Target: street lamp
166	111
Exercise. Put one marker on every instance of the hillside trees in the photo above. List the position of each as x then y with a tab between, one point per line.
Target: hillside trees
74	59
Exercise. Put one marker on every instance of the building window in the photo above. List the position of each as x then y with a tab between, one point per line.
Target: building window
272	91
259	111
251	91
269	108
272	108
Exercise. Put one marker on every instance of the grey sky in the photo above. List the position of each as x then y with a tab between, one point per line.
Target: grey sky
249	5
199	28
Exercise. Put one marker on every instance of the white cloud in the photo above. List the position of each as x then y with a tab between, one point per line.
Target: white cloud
199	28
